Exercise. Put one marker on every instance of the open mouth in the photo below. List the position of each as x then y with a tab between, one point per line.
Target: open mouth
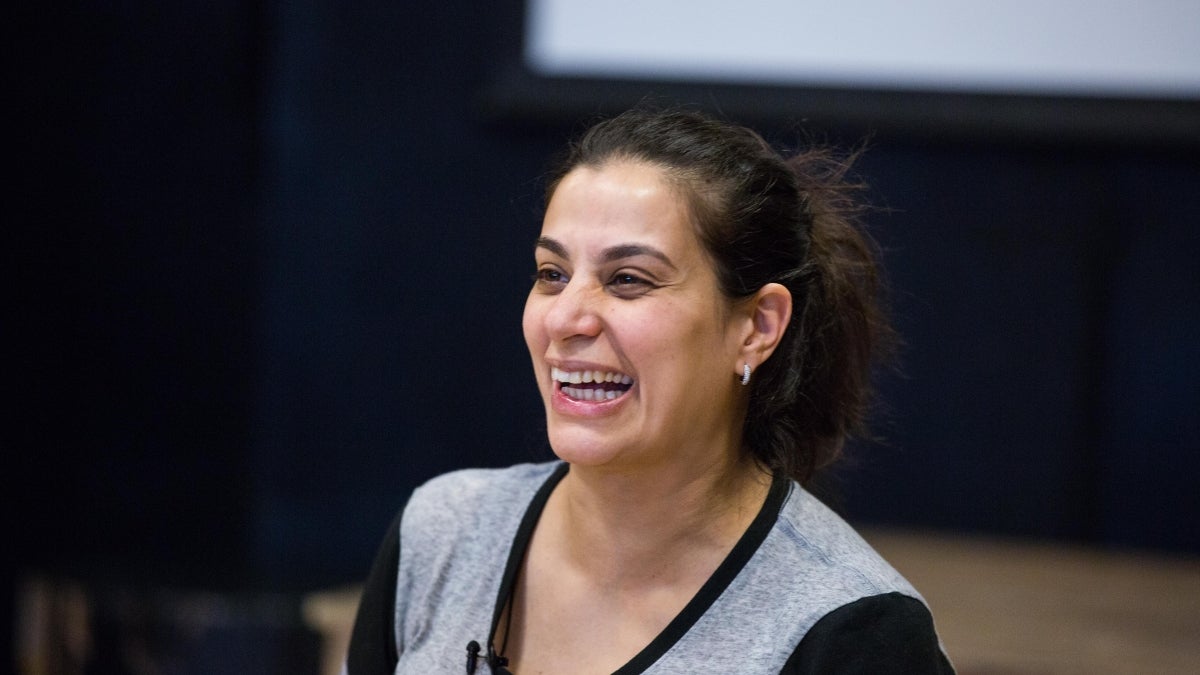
591	385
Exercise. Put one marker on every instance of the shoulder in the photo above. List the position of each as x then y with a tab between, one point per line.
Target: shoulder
470	497
888	633
448	525
811	564
810	534
811	581
865	616
472	509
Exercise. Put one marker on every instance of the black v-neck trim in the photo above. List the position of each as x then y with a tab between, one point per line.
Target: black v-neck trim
516	554
712	589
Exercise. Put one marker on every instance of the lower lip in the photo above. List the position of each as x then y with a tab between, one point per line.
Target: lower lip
562	403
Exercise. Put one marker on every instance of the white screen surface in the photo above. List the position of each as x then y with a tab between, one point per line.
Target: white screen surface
1114	48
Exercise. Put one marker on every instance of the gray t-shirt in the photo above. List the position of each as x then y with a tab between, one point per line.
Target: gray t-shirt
797	564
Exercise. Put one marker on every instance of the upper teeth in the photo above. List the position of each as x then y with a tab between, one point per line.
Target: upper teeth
578	376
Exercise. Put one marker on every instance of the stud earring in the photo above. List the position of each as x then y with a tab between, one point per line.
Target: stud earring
745	374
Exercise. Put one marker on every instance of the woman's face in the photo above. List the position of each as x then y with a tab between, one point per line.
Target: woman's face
635	349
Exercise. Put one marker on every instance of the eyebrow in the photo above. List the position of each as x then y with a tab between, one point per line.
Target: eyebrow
610	254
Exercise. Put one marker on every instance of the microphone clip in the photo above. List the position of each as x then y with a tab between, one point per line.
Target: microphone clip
472	657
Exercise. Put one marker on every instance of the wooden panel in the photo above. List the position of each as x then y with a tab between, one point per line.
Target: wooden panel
1021	608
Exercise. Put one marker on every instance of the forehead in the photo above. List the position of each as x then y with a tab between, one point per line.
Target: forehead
623	199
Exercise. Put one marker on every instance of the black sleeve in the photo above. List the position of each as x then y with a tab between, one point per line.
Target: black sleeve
373	642
881	634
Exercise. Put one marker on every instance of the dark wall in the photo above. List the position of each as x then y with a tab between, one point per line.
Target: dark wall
271	261
397	234
133	193
1049	298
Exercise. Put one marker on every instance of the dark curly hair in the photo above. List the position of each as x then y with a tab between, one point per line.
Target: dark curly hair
764	218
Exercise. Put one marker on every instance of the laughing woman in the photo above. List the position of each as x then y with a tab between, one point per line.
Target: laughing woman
702	326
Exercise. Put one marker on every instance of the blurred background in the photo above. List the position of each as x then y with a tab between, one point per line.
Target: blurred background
267	263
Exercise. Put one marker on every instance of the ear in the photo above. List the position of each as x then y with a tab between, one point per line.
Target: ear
767	312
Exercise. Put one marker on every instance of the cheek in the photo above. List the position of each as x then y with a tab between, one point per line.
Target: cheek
531	326
661	341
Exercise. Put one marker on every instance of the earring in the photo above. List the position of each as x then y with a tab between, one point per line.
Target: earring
745	374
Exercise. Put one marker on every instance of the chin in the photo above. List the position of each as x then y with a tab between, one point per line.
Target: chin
583	447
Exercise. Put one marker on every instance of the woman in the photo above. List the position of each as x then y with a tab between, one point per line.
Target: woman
702	325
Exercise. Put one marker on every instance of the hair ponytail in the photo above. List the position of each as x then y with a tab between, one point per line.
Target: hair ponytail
842	329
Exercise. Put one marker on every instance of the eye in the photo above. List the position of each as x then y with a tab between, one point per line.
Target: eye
549	279
628	284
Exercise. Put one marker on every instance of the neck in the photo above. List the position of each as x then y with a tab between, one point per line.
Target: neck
635	527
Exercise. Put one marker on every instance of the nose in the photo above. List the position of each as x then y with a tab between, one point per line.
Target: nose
573	312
